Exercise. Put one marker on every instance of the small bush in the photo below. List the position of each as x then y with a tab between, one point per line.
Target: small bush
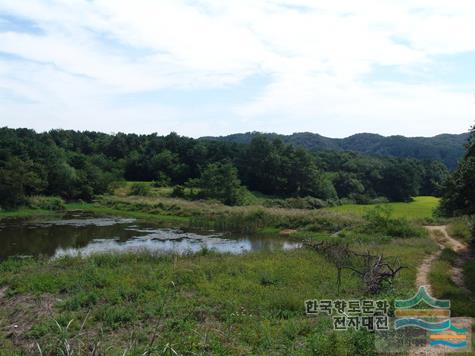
296	203
379	200
115	316
380	220
448	255
140	189
472	230
46	203
81	300
469	275
113	186
178	191
162	181
460	228
361	198
346	201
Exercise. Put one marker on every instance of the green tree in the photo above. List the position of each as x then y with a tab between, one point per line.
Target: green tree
434	176
220	181
17	179
458	196
401	180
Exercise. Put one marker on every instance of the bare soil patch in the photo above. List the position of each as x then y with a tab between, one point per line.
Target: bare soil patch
20	313
444	240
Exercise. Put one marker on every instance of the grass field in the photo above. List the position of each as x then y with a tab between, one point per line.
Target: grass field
421	208
228	304
195	304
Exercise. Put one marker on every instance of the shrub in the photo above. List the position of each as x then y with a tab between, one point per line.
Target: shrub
141	189
460	228
379	220
220	181
379	200
113	186
361	198
162	180
115	316
296	203
178	191
46	203
448	255
469	275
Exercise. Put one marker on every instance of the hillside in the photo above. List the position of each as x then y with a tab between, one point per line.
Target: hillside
447	148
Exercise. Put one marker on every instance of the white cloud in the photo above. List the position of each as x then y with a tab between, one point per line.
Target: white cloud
316	54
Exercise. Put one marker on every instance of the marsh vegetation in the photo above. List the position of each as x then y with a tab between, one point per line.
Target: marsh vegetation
212	296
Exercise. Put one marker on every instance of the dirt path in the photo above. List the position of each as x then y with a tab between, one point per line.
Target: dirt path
422	277
3	291
440	235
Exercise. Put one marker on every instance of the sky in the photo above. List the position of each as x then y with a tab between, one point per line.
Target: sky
214	67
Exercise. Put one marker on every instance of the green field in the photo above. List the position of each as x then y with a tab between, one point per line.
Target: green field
420	208
205	303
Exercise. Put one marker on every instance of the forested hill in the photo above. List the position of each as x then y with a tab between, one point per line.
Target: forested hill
81	165
446	148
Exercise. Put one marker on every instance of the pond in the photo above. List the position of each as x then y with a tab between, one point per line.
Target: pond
84	234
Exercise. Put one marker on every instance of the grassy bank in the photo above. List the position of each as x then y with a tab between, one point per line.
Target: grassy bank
100	209
216	216
462	301
210	214
26	213
204	303
419	209
460	228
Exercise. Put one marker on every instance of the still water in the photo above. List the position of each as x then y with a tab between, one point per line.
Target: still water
79	233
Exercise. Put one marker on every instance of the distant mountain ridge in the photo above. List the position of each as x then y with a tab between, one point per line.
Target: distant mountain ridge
447	148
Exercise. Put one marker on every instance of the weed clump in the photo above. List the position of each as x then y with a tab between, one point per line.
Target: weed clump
46	203
139	189
379	220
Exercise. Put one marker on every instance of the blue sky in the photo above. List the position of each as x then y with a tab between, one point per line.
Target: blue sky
208	67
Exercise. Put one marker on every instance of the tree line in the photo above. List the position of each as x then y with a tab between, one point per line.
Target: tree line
447	148
458	195
80	165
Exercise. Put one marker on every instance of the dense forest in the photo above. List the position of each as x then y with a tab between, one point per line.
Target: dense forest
446	148
79	165
459	190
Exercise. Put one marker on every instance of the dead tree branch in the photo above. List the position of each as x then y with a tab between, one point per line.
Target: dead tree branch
375	271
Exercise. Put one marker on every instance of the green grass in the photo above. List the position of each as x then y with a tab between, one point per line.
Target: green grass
224	304
462	301
203	303
214	215
165	192
421	208
143	215
26	212
469	275
459	228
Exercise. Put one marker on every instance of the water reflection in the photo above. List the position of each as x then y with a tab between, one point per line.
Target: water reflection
85	234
